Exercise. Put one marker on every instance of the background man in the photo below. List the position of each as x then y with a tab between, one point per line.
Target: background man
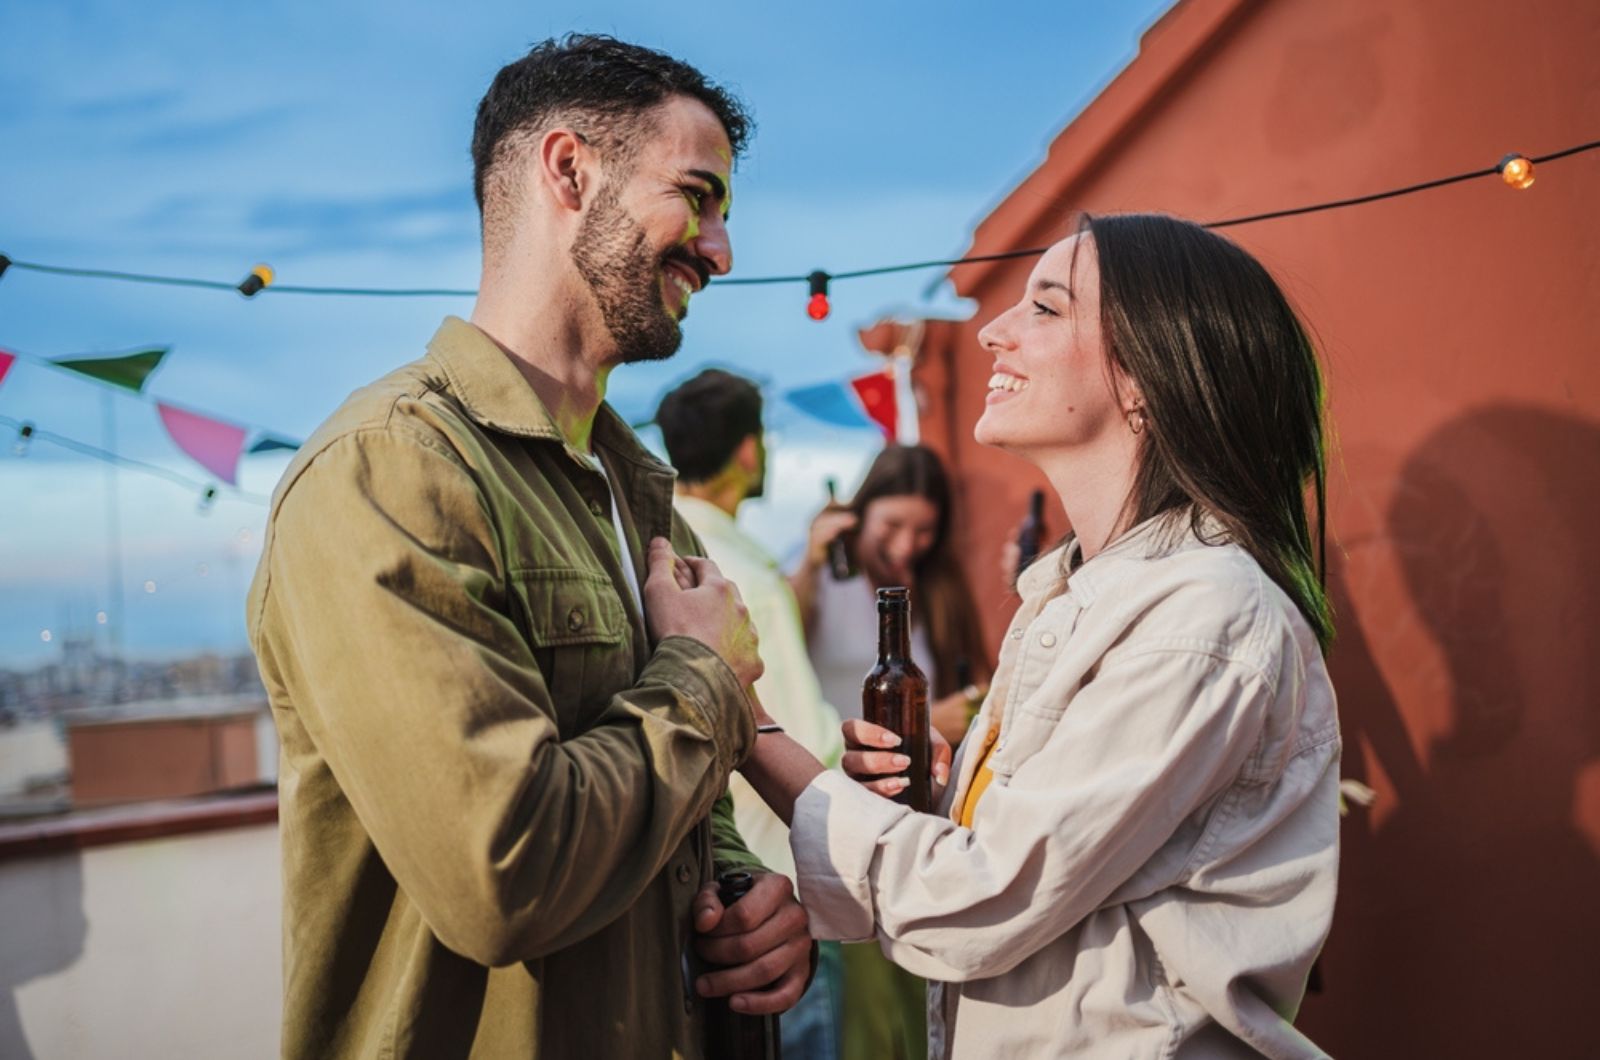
711	426
504	731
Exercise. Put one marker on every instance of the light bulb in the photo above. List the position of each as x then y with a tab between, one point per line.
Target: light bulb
261	276
1516	171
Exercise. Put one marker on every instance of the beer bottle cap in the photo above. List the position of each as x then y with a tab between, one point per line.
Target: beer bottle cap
732	886
896	597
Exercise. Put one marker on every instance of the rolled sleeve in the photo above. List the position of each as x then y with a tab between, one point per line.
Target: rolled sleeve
834	837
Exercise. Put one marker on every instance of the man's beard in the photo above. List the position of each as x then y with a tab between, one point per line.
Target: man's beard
612	254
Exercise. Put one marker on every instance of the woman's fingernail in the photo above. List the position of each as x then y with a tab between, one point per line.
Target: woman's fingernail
889	739
901	783
901	761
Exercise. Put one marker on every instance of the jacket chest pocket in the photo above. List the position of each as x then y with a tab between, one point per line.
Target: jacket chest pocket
581	640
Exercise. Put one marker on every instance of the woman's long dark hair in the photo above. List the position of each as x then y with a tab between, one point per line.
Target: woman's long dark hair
1232	391
942	598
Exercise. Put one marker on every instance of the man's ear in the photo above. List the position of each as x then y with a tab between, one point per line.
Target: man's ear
748	455
566	168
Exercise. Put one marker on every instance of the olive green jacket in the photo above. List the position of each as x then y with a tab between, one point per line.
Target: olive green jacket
498	796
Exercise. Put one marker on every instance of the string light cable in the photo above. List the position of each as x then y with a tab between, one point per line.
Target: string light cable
1515	169
28	432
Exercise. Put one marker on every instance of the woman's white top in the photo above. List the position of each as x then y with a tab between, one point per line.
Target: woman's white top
1151	871
843	640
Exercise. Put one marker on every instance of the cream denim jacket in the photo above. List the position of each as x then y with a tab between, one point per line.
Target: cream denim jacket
1152	870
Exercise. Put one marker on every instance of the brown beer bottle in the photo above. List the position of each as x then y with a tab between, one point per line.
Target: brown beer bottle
734	1035
895	696
1030	538
840	565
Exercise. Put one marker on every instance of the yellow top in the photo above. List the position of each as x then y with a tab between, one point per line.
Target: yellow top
980	779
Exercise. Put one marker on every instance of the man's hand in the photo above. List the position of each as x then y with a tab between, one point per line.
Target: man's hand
688	597
762	943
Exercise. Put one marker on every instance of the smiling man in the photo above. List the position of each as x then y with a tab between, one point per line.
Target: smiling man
508	695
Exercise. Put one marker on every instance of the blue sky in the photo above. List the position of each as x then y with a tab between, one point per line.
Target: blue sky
330	140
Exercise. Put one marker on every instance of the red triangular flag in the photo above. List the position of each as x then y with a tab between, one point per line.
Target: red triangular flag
6	361
876	392
214	445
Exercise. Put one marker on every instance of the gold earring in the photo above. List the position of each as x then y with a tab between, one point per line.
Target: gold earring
1136	420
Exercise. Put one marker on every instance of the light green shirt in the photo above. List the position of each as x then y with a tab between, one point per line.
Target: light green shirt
788	688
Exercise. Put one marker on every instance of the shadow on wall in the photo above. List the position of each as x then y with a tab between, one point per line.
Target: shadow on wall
1469	691
44	933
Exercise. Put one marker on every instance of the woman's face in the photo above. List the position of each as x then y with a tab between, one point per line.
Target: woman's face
895	532
1051	387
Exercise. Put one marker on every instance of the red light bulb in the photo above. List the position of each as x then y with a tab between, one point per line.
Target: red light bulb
817	283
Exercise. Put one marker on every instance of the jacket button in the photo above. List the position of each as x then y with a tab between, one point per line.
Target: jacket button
575	619
597	509
683	873
1016	634
1047	640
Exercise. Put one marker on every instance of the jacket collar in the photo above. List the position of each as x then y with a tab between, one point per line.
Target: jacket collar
1159	535
496	396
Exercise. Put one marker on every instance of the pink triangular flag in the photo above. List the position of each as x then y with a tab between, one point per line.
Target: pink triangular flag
214	445
6	361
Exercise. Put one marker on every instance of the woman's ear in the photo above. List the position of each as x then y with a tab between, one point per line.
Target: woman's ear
1130	397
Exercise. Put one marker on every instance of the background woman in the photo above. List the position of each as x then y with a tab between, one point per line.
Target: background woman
896	531
1139	853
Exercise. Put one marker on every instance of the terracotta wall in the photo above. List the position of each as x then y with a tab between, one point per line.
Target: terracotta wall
1461	329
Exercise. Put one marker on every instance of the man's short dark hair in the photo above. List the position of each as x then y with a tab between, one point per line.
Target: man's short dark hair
597	81
704	420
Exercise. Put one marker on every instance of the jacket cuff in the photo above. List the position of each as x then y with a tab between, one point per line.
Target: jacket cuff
711	687
834	837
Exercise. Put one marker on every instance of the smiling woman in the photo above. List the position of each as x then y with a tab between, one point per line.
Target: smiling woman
1139	848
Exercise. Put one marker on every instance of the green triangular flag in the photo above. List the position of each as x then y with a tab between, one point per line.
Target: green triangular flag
128	370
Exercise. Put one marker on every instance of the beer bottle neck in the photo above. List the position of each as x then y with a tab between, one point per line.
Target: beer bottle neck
894	634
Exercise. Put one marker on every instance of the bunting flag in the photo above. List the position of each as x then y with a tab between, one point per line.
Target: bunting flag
214	445
6	361
876	392
128	371
866	401
268	442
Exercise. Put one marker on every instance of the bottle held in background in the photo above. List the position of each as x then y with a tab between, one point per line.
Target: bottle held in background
839	562
1030	537
895	696
734	1035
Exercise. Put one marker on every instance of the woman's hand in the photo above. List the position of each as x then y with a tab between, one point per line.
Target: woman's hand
871	761
828	524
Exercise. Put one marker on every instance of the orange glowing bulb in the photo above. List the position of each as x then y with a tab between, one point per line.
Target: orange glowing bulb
260	276
1516	171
